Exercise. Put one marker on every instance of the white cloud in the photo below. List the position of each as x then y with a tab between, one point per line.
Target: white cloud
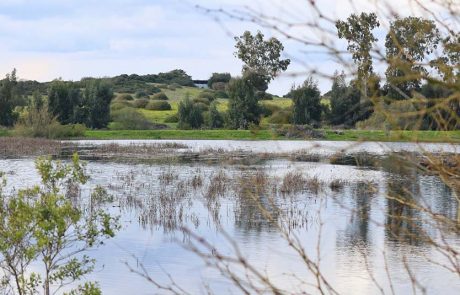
70	38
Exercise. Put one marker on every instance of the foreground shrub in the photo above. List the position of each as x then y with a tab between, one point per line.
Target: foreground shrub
130	119
44	235
158	105
160	96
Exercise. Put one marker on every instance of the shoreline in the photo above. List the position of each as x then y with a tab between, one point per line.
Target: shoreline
265	134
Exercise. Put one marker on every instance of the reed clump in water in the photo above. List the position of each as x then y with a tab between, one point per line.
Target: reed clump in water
28	147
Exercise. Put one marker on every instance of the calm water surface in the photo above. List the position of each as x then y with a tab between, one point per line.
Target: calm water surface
355	226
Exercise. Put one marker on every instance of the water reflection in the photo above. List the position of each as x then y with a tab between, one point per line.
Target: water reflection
372	208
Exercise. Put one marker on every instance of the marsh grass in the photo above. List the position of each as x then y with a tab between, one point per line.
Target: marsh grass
21	146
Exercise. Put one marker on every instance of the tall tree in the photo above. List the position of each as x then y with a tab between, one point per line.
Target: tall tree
98	95
407	44
7	92
243	106
63	97
357	30
307	103
261	58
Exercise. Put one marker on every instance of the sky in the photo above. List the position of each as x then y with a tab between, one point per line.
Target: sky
71	39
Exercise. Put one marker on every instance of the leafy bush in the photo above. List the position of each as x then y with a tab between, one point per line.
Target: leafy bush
118	105
124	96
172	87
269	109
281	117
190	116
172	119
140	103
141	94
221	94
130	119
210	95
202	106
158	105
40	123
214	118
160	96
202	100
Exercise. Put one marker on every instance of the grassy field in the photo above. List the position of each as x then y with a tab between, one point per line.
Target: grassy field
175	96
351	135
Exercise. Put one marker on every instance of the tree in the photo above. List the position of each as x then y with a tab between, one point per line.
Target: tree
63	97
7	95
221	78
407	43
261	58
215	119
98	95
357	30
447	65
307	103
243	106
42	225
190	115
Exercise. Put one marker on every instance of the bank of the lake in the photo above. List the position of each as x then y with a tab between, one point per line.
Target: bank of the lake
348	135
266	134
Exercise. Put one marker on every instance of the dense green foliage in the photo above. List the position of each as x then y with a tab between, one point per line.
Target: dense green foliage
41	226
307	106
215	119
7	94
218	81
190	115
243	106
91	107
408	41
357	30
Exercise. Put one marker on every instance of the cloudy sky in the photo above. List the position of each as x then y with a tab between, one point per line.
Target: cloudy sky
46	39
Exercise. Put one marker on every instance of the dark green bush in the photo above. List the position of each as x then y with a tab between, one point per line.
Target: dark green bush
129	119
221	94
210	95
141	94
140	103
202	106
202	100
160	96
158	105
269	109
118	105
124	96
172	119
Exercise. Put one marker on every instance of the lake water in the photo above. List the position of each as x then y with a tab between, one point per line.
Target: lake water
363	238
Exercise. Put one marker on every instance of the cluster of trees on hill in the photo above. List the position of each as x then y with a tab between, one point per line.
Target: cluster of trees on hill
422	69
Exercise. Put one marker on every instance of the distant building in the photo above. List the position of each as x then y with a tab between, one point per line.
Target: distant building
201	83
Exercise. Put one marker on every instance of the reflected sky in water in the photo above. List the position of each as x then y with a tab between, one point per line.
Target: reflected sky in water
362	230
